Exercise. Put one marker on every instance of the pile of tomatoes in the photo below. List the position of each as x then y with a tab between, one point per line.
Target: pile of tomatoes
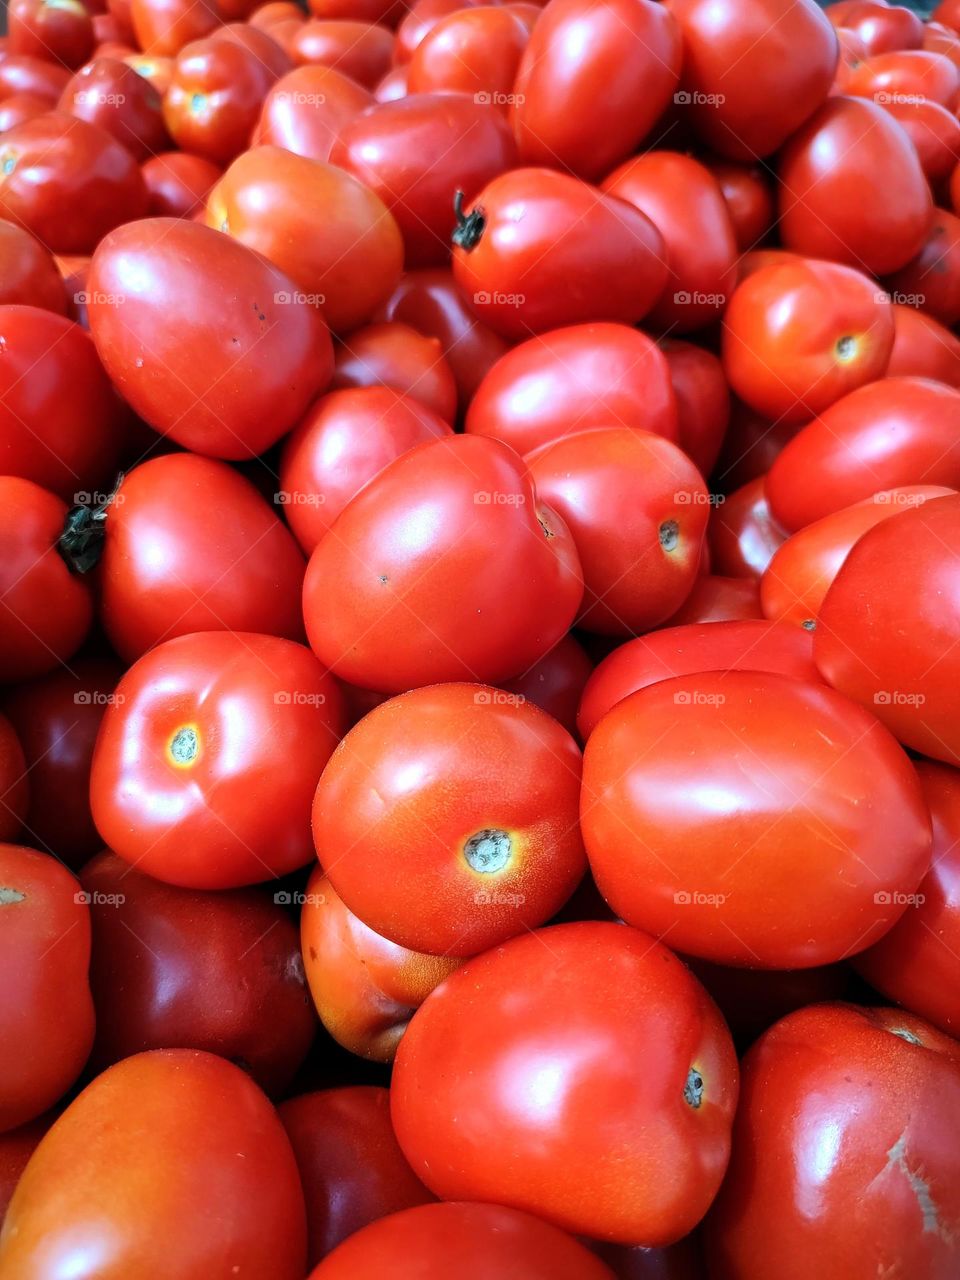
479	640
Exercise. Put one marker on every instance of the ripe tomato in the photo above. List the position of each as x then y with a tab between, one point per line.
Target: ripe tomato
703	401
537	1041
364	986
361	50
165	26
57	32
45	1003
266	354
923	348
16	1148
306	109
935	133
199	1148
394	355
932	278
108	93
749	197
743	534
208	758
718	599
410	585
28	273
19	107
473	51
555	683
13	783
883	27
906	73
784	769
178	183
422	16
24	74
155	68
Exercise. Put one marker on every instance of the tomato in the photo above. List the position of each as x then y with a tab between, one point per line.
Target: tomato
703	401
592	83
306	109
785	769
884	28
946	14
474	51
13	783
567	380
852	52
343	441
687	650
796	580
55	30
364	986
386	12
896	651
67	181
25	74
718	599
750	447
170	1164
835	200
537	1041
421	17
910	73
556	682
47	1011
845	1152
749	199
28	276
744	534
899	431
932	279
108	93
265	353
923	348
19	107
264	16
394	355
16	1148
178	183
487	835
209	755
800	334
684	202
361	50
416	154
935	133
165	26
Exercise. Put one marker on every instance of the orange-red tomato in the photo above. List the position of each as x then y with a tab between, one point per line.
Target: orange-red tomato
306	109
715	598
164	26
57	32
475	51
361	50
108	93
394	355
905	74
923	348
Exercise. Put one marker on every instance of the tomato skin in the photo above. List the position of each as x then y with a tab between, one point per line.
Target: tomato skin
361	50
365	987
743	534
749	200
108	93
715	598
178	183
19	107
885	28
16	1148
576	1001
703	401
46	1006
708	873
344	440
155	69
906	73
61	32
520	779
834	199
265	356
473	51
20	73
898	431
845	1134
593	82
165	26
679	651
424	629
923	348
555	683
934	131
265	718
201	1152
421	17
306	109
13	783
28	273
933	277
394	355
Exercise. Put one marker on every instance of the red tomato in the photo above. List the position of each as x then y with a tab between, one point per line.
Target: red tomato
394	355
703	401
16	1148
155	68
568	380
361	50
13	783
904	74
365	987
593	82
45	1002
488	834
55	30
108	93
392	86
178	183
28	276
199	1148
386	12
538	1041
743	534
947	13
852	53
932	279
923	348
752	772
422	16
474	51
935	133
165	26
24	74
749	198
719	599
209	756
19	107
266	354
845	1152
452	529
556	682
306	110
884	28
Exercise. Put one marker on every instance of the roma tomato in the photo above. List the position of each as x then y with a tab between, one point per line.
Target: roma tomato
933	276
923	348
423	15
473	51
164	26
934	131
178	183
60	31
743	534
749	197
361	50
306	109
28	274
108	93
487	833
36	76
904	74
442	537
164	290
715	598
209	755
394	355
555	683
573	1006
884	27
703	401
13	783
753	772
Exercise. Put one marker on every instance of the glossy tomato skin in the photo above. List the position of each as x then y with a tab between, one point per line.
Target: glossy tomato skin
896	651
178	183
29	274
923	348
365	987
667	857
555	683
305	110
748	193
472	51
391	602
703	401
572	379
19	107
394	355
593	83
743	535
906	73
933	276
934	131
883	27
715	598
204	773
16	1148
488	835
164	26
266	354
112	95
21	73
47	1009
61	32
361	50
845	1151
572	1004
200	1149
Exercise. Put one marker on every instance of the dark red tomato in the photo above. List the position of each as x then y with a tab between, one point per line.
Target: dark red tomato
932	279
55	30
539	1039
74	269
386	12
472	1241
743	534
750	447
360	50
684	202
365	987
845	1152
923	348
753	70
199	1148
108	93
16	1148
417	153
19	107
165	26
593	82
36	76
264	16
703	401
897	652
884	28
13	783
266	353
439	539
178	183
751	1000
555	683
935	133
392	86
67	181
45	1002
28	277
753	774
749	196
719	599
835	200
680	1261
344	440
686	650
904	74
394	355
184	969
473	51
351	1167
421	17
587	375
895	432
307	108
